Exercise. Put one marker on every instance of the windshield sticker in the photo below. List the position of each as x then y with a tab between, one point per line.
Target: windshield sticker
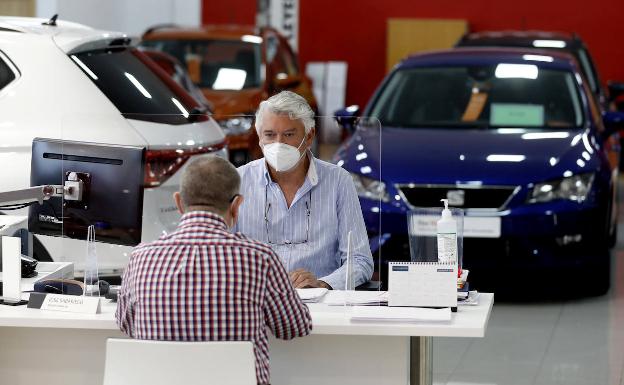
509	114
475	106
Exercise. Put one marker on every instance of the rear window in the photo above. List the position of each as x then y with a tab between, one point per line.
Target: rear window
137	86
6	73
216	64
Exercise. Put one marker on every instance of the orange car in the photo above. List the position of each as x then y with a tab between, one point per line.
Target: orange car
236	67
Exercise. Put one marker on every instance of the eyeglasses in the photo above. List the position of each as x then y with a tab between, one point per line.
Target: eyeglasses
267	209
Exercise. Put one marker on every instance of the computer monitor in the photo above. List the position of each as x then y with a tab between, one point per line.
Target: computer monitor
107	187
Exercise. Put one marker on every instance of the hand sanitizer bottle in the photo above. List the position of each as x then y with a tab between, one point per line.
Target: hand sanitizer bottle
447	236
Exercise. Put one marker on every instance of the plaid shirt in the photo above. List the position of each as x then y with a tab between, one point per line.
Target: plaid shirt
204	283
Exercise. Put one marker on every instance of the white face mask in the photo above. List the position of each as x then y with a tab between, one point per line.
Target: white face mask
282	157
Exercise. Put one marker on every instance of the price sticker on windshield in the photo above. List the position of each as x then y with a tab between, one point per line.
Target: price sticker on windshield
516	115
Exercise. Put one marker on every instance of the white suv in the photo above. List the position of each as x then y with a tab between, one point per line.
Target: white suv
64	80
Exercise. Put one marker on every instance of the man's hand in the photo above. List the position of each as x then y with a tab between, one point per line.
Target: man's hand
301	278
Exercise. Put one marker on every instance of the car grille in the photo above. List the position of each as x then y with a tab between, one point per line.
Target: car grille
485	197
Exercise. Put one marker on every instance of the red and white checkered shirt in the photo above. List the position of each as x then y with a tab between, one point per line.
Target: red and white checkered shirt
204	283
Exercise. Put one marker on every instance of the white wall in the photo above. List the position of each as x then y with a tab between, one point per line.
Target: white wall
130	16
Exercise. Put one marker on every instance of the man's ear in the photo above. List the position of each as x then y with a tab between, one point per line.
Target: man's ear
235	206
178	201
310	137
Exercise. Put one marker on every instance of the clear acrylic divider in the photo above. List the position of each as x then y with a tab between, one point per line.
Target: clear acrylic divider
137	205
128	166
360	154
300	240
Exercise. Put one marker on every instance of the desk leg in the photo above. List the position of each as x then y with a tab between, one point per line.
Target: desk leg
421	360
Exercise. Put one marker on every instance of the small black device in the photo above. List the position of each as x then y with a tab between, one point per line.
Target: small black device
112	293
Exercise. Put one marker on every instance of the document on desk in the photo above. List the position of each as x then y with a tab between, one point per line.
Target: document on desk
427	284
400	314
348	297
311	295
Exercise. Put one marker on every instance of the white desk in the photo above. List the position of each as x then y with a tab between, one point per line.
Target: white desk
62	348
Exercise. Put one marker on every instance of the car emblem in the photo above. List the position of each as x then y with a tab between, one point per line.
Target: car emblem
456	197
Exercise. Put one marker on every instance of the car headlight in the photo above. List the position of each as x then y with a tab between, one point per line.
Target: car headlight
575	188
237	125
370	188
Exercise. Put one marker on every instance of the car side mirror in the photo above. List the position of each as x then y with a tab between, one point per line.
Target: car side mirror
347	117
616	89
613	122
283	81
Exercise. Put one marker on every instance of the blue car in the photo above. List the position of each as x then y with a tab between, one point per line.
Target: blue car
513	136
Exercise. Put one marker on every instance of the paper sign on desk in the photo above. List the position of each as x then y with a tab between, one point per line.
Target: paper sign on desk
66	303
432	284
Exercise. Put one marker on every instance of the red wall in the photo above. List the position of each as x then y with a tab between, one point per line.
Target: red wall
355	30
229	12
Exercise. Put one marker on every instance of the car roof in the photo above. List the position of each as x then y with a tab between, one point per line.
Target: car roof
517	38
490	56
69	36
226	32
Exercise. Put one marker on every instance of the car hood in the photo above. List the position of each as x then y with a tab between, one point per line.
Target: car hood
450	156
226	103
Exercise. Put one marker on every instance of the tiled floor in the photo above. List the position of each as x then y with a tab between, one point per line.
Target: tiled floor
578	342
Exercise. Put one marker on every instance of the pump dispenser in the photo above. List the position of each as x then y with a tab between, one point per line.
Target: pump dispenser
447	236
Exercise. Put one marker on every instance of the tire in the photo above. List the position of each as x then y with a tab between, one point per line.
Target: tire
612	238
598	275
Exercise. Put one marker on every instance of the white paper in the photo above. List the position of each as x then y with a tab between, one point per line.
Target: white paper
311	294
344	297
399	314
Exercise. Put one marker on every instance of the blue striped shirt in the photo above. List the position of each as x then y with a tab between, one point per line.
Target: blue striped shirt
318	243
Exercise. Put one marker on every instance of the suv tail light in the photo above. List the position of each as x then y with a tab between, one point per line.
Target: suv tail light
160	165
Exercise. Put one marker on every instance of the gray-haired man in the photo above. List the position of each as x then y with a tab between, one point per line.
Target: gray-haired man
302	207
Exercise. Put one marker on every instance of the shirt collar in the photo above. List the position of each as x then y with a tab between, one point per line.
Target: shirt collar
206	218
312	175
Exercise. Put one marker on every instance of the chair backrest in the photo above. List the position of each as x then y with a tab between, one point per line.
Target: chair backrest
134	362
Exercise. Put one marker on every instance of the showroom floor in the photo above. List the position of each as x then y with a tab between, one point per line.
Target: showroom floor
576	342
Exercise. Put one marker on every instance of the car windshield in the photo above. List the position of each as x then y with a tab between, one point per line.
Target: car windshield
216	64
493	96
136	85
